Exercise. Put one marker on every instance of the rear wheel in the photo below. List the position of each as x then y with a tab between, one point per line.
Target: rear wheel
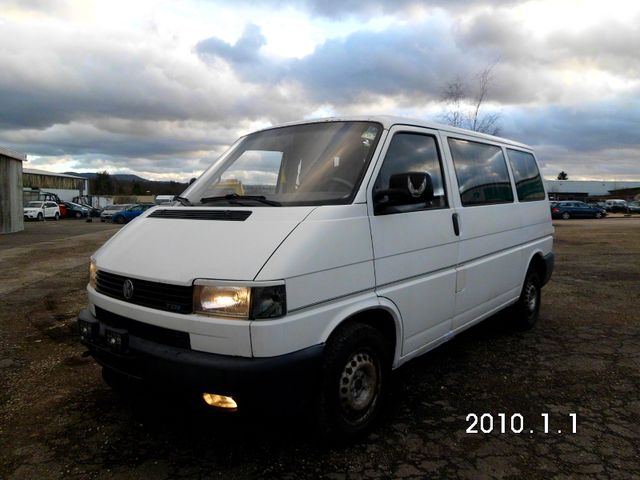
527	310
56	217
357	364
566	216
598	214
119	220
78	215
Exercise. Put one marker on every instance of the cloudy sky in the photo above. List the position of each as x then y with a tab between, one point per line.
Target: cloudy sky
160	88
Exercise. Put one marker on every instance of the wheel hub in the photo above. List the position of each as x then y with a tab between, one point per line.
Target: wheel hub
358	382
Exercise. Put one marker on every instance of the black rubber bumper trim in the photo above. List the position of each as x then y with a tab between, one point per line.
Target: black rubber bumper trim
549	262
172	367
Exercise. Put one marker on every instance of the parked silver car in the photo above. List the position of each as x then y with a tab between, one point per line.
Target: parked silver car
110	210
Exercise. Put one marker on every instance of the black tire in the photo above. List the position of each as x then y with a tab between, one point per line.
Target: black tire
119	220
566	216
357	364
78	215
56	217
527	310
40	217
102	220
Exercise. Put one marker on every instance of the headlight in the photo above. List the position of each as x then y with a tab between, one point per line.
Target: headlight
222	300
93	273
242	302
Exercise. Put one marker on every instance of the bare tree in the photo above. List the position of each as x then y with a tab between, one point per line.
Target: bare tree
453	95
563	175
464	107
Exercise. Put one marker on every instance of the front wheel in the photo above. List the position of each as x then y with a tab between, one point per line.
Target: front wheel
119	220
56	217
357	363
599	215
527	310
40	217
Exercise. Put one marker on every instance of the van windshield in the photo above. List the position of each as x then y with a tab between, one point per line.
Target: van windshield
310	164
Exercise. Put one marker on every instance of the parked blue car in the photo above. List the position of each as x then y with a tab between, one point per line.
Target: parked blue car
128	214
567	210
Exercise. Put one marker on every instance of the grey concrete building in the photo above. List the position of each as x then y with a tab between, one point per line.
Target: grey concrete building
11	215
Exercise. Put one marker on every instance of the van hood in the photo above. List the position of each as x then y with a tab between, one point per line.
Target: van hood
169	245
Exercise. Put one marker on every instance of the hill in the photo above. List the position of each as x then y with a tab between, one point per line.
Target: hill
125	177
102	183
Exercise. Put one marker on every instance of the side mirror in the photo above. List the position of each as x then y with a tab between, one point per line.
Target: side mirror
405	189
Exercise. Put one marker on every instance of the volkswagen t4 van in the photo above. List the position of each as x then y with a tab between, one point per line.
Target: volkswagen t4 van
323	253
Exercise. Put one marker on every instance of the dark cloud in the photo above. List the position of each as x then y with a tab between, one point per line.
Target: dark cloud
395	62
135	100
587	127
369	8
50	77
245	49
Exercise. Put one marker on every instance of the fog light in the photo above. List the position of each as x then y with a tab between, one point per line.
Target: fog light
88	330
220	401
116	339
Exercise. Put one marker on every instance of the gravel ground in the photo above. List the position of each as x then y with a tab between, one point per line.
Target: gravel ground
59	420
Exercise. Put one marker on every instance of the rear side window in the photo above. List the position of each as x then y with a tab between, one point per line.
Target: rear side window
481	169
527	176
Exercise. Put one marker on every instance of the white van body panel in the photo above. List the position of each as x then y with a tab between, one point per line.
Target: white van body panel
184	250
415	258
328	256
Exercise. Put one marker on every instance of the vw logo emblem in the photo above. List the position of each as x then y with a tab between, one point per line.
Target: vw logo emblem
127	289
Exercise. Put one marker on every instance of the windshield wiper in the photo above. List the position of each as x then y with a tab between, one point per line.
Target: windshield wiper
231	197
184	201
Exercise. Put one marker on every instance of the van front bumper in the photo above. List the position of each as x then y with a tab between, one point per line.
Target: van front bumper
168	367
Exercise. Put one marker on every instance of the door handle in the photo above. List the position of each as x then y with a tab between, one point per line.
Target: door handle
456	225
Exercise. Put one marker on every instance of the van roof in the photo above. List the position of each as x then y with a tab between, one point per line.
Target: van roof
389	121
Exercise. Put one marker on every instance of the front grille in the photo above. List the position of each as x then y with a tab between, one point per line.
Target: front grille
161	296
228	215
153	333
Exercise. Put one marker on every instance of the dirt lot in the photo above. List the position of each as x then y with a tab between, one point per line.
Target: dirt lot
59	420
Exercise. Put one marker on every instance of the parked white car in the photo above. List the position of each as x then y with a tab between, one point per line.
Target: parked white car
37	210
346	248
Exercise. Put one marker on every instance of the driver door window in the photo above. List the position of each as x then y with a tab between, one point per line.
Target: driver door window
413	152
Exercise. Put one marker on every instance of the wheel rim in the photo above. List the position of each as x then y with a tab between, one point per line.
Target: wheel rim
359	385
565	216
531	297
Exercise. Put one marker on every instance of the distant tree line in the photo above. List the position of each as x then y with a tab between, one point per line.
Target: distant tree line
106	184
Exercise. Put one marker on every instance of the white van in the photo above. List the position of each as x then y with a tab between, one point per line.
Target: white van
324	254
164	199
